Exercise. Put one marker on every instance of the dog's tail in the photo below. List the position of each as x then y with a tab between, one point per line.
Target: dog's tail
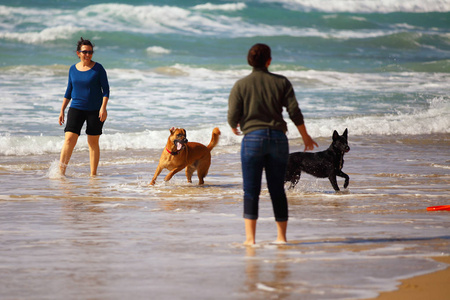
214	139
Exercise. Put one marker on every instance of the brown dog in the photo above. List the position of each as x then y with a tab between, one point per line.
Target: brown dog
179	154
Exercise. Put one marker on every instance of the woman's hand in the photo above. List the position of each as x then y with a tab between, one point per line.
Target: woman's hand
63	109
103	114
236	131
309	143
61	118
307	140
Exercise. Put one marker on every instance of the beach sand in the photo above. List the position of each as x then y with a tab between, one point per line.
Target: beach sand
433	286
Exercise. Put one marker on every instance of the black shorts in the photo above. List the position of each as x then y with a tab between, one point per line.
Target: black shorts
76	118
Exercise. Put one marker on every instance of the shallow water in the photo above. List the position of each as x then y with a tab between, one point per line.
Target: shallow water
112	236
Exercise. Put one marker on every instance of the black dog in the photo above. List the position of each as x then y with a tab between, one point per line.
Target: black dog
322	164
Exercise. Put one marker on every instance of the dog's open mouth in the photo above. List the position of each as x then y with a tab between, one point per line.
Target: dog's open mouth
179	145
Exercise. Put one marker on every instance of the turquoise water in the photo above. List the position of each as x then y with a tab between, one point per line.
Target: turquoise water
382	70
142	35
173	63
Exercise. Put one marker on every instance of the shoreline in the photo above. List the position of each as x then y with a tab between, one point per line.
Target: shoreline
431	286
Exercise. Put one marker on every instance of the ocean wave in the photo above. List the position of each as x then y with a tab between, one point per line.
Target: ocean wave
34	70
366	6
37	26
33	25
45	35
225	7
158	50
434	120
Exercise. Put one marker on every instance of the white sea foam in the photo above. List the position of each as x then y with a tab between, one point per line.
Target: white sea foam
266	288
26	145
54	171
226	7
158	50
441	166
366	6
45	35
332	80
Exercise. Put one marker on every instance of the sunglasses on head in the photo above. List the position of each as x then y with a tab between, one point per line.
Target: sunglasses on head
86	52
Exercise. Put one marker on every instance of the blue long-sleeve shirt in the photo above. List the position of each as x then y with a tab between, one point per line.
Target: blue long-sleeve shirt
87	89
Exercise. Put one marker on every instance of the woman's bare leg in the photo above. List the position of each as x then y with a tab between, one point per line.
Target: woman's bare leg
66	152
94	153
250	232
281	232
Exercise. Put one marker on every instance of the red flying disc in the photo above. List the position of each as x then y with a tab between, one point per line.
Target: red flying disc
439	207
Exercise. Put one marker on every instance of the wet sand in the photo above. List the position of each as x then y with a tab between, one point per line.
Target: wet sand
114	237
434	286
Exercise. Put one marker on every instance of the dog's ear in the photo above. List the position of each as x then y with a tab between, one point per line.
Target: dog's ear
335	135
345	133
172	130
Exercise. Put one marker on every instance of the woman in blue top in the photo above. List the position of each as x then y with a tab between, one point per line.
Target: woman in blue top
88	89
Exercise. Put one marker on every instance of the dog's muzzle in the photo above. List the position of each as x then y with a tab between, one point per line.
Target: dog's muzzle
347	148
180	143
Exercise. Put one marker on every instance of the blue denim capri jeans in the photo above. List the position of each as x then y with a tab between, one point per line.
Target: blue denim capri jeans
268	150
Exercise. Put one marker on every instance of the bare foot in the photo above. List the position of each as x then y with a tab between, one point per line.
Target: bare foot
249	243
62	169
277	242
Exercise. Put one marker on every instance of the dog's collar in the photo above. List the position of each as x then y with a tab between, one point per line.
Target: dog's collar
172	153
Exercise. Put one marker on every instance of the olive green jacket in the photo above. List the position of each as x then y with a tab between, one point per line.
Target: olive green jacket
257	100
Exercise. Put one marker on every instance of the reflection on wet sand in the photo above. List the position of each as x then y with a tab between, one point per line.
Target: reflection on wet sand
268	276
